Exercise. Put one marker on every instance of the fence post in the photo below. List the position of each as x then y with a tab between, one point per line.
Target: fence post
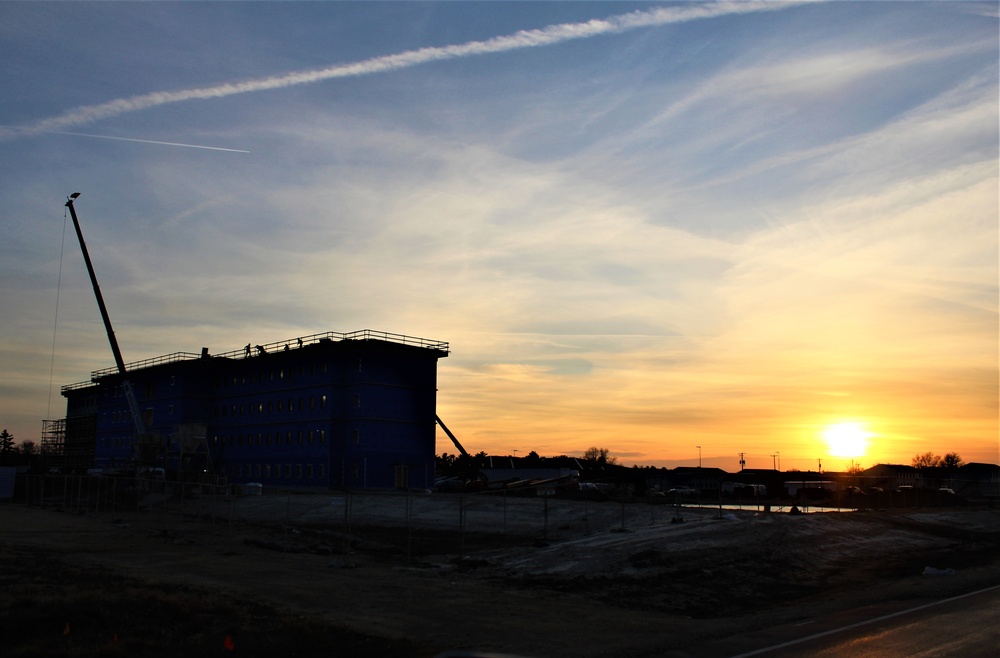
288	510
461	524
409	527
545	529
347	521
505	510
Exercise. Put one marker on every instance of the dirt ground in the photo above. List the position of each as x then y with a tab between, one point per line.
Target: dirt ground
714	584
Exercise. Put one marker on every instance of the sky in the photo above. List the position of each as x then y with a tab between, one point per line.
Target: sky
679	231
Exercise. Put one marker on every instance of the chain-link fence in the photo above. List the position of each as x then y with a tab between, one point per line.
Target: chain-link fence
404	525
409	524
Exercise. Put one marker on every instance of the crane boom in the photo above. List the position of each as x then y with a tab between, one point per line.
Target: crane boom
137	423
451	436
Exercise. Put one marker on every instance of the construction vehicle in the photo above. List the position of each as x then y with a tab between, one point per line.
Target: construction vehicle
141	437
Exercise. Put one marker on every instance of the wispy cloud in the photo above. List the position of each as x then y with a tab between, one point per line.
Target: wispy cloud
546	36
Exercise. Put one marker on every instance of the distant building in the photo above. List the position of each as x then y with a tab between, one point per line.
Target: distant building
330	410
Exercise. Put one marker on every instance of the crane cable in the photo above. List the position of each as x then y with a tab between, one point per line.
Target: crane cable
55	322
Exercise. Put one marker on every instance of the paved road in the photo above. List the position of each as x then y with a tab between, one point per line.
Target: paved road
967	625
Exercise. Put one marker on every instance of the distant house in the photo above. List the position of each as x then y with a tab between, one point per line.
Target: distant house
889	477
977	480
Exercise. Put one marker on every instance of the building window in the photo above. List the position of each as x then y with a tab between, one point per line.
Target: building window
322	401
312	436
354	471
298	471
322	436
357	401
309	471
322	471
288	471
356	435
267	471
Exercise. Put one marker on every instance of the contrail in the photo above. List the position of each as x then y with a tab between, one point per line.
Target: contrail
149	141
520	40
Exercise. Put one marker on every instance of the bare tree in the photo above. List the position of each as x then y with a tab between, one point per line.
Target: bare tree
926	460
599	455
951	460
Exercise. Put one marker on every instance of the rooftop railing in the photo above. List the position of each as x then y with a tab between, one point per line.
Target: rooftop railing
276	346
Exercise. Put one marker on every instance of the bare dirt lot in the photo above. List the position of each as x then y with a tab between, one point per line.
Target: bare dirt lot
143	584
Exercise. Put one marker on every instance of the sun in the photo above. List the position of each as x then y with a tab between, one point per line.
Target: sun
846	439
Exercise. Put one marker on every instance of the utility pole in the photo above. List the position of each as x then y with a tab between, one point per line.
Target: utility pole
774	464
743	462
699	456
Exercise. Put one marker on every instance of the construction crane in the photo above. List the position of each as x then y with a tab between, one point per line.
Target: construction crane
138	426
451	436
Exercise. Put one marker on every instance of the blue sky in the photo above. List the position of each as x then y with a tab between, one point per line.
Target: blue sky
641	226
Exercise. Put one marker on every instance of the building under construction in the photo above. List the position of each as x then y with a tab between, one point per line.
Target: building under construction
330	410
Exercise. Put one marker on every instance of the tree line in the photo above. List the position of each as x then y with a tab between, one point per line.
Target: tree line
12	454
930	460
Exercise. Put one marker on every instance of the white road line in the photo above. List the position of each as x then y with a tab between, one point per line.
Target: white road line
862	623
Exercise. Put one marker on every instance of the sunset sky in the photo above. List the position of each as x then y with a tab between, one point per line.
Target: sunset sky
642	226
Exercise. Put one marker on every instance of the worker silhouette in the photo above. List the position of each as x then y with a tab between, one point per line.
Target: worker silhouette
300	342
246	350
261	350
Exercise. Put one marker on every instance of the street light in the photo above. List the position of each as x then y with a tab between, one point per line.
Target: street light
699	456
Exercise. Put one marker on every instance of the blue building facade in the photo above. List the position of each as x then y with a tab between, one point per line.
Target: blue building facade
331	411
